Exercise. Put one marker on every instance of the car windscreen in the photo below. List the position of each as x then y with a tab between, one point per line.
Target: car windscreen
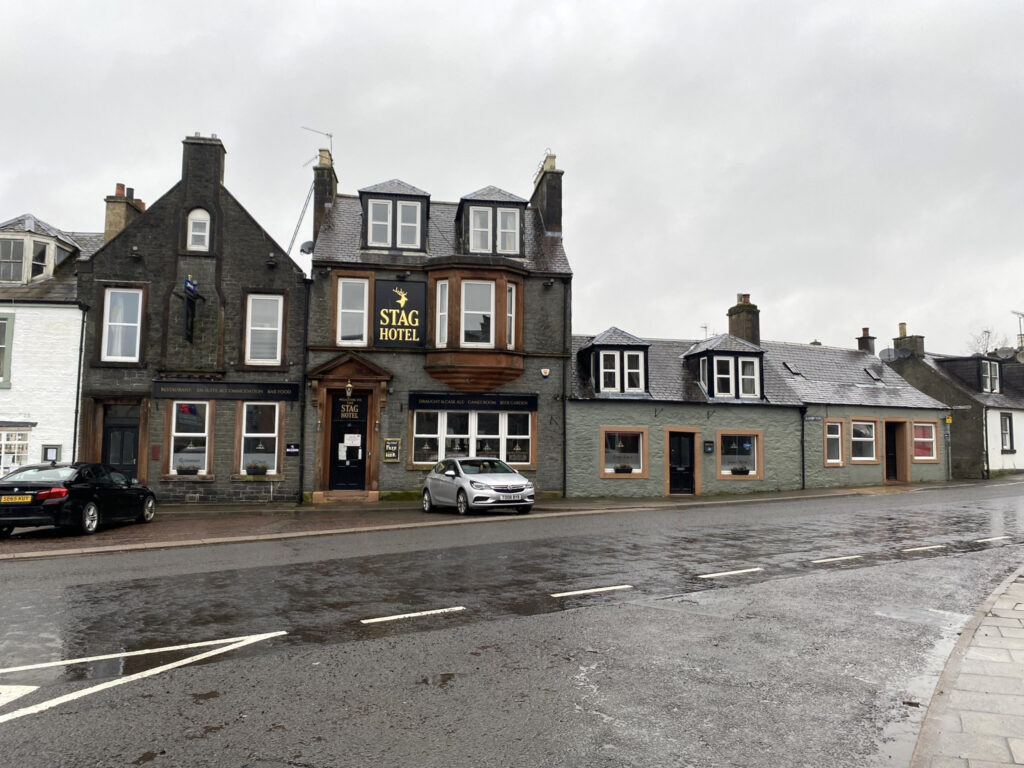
485	467
41	474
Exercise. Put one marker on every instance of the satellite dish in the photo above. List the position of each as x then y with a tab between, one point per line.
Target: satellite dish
902	354
306	247
1005	353
1020	356
887	355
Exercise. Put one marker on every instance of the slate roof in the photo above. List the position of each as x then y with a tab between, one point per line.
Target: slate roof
395	187
723	342
1011	383
616	337
340	235
794	375
62	285
493	195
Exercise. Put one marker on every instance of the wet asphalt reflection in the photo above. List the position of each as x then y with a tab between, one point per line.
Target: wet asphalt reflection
325	601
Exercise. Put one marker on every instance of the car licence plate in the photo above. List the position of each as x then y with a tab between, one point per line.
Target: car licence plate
14	499
511	497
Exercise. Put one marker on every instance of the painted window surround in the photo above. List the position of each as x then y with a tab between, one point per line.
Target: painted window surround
645	454
758	435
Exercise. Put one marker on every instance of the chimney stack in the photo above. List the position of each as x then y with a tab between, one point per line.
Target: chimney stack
914	343
122	209
325	189
744	320
547	195
866	342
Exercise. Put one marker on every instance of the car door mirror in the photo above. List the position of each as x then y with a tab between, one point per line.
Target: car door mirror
450	473
134	482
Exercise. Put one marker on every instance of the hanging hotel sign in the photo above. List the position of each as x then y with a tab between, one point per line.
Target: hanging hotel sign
226	390
400	313
456	401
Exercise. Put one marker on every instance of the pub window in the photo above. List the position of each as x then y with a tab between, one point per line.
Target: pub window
122	320
263	330
441	435
477	314
622	453
198	230
739	455
352	312
609	371
259	438
189	436
441	327
378	233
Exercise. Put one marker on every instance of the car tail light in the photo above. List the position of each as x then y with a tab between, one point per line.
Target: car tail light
53	493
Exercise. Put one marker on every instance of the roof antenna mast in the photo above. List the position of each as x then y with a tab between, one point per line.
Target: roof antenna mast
330	136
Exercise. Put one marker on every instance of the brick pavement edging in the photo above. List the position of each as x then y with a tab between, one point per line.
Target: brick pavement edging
976	716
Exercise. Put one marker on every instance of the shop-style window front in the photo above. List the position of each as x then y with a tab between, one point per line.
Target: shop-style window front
1006	432
198	230
622	452
477	314
862	441
352	312
739	454
13	450
834	443
454	434
989	376
259	438
189	437
264	316
122	321
924	442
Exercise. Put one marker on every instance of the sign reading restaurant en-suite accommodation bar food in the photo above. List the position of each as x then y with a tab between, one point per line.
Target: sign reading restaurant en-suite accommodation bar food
400	310
226	390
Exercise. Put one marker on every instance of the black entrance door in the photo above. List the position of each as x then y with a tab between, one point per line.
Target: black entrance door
348	443
121	438
892	464
680	462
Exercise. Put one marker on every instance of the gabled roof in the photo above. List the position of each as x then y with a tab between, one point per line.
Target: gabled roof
395	187
493	195
341	234
1011	380
616	337
723	342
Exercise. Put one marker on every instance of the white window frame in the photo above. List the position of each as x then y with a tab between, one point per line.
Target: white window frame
510	316
514	231
134	357
754	378
728	377
929	441
13	446
872	441
342	311
250	329
489	344
198	216
638	369
11	242
837	438
27	262
704	373
204	467
371	220
441	326
1006	431
503	436
473	229
272	457
989	376
603	368
402	242
6	344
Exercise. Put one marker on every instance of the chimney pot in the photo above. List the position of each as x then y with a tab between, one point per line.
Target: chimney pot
129	192
119	190
866	342
903	329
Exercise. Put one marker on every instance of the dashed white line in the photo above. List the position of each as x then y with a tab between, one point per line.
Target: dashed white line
994	538
922	549
728	573
592	591
379	619
837	559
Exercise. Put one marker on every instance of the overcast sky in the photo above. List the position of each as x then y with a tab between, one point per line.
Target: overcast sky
846	163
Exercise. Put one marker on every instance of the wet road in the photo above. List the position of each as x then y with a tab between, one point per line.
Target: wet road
806	661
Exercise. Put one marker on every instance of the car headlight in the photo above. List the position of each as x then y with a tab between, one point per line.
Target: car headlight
479	486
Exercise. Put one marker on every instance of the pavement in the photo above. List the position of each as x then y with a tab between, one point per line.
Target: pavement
975	717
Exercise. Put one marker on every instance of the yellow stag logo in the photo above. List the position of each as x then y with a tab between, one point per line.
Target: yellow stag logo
402	297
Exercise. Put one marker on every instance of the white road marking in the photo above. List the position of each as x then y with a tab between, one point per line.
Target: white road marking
837	559
727	573
994	538
240	642
379	619
922	549
9	693
592	591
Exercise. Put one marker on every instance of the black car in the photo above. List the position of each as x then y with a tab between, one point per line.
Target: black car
79	495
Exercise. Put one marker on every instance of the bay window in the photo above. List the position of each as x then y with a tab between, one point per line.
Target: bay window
441	325
477	313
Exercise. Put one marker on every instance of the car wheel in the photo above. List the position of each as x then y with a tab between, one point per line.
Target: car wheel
462	503
525	510
5	531
428	503
148	510
89	519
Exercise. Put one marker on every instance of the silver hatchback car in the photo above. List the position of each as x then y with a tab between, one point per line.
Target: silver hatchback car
468	484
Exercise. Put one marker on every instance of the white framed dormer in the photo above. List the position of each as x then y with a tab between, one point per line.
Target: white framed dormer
198	230
704	373
608	364
378	228
28	258
750	377
508	231
409	224
989	376
479	229
723	367
633	371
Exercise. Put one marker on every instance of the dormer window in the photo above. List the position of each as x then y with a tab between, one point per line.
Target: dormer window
609	371
480	230
408	224
704	373
27	259
633	372
378	233
508	230
198	230
384	227
989	376
723	377
750	379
